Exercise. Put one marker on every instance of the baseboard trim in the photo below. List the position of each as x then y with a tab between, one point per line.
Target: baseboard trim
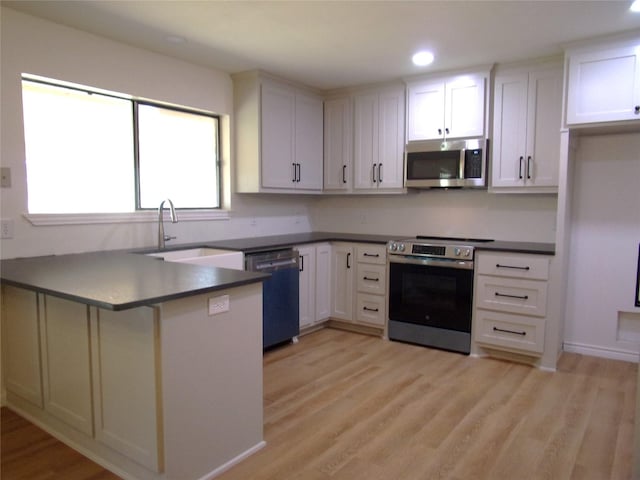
234	461
595	351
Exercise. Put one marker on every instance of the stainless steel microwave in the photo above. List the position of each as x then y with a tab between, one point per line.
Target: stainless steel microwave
446	164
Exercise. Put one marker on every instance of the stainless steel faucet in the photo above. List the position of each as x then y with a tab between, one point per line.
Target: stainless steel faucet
174	219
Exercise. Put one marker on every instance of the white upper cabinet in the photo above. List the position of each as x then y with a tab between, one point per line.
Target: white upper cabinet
526	129
338	143
379	118
279	136
451	107
603	83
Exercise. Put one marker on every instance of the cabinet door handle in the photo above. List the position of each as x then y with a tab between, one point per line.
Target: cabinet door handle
299	172
520	168
348	258
446	130
496	329
439	131
370	309
513	267
379	173
373	173
529	167
519	297
294	173
371	279
344	174
374	255
636	109
302	264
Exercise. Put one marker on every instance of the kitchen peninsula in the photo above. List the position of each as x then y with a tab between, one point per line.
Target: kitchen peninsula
118	355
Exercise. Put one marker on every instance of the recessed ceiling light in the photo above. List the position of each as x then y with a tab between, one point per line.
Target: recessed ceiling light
635	6
422	58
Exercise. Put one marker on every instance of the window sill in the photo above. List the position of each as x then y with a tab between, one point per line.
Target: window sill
48	219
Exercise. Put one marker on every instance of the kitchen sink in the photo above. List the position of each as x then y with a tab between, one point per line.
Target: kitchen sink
214	257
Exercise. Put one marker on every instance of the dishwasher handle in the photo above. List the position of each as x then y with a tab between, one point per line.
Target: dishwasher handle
276	264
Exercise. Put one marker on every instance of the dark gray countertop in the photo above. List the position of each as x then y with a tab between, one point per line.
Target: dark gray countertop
275	242
118	280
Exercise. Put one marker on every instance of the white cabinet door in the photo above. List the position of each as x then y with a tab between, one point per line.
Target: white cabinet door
126	387
604	85
464	107
543	127
66	362
307	285
390	170
509	130
20	344
277	135
342	272
426	111
365	151
323	281
338	138
308	141
526	129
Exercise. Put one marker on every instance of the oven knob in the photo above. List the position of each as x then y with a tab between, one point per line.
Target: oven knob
393	246
401	247
456	251
467	252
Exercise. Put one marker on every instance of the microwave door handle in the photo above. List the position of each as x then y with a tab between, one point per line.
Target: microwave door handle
462	157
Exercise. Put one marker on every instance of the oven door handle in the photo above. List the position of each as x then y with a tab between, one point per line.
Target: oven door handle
431	262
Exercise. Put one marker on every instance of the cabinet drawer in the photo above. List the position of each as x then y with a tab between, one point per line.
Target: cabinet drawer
513	265
512	332
370	309
372	254
371	278
527	297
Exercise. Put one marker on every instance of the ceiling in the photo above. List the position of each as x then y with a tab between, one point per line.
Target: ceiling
331	44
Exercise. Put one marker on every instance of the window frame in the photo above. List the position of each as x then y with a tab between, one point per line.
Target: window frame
139	214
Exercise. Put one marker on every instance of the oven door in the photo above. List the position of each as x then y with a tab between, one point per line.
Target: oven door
433	293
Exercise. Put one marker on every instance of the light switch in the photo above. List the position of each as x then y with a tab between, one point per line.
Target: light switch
5	177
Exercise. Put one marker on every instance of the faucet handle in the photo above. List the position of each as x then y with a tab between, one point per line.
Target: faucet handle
169	237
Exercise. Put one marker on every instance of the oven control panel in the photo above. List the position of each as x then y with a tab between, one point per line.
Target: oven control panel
409	247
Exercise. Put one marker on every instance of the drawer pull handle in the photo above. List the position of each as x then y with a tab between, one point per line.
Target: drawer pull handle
375	255
370	309
371	279
520	297
496	329
511	266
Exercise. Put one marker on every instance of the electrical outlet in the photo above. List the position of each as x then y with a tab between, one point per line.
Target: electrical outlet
6	228
218	305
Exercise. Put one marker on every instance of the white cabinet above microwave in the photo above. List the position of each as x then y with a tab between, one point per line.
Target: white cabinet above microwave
447	107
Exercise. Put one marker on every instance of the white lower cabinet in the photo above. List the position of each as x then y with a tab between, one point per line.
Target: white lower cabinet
66	362
315	265
343	275
21	344
125	357
359	284
510	302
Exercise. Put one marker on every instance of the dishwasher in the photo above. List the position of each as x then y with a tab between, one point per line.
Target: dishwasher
280	294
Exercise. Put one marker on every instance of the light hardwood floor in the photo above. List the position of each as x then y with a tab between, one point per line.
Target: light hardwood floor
340	405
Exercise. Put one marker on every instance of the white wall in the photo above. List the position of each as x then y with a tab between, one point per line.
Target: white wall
605	232
32	45
529	218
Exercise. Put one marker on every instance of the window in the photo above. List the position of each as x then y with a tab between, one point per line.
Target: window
94	152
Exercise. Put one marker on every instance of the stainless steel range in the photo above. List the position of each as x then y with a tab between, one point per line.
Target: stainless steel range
431	291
